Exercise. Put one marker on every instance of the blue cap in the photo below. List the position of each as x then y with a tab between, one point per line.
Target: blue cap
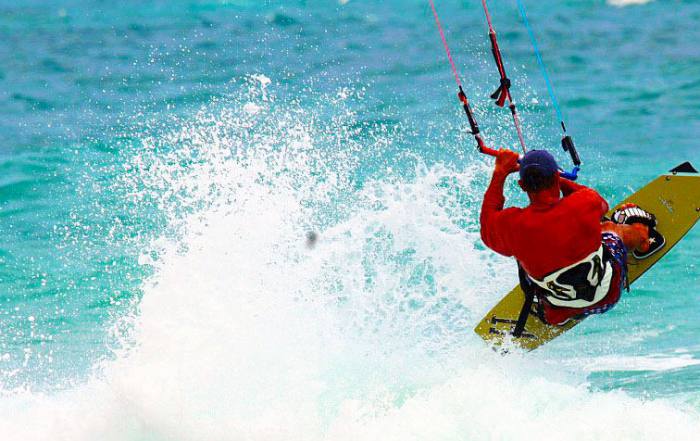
538	159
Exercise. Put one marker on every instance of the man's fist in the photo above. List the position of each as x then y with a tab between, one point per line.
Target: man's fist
506	162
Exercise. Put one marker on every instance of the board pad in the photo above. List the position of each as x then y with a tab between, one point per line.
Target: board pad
673	198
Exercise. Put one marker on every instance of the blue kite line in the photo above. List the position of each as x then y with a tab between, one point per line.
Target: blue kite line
550	88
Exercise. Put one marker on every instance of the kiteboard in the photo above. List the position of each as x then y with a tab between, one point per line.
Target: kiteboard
674	198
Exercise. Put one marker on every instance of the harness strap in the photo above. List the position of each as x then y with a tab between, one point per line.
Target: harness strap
529	291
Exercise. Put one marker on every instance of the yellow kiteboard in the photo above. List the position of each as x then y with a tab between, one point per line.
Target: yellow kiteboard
674	199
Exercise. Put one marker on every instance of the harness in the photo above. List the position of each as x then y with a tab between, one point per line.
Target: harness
580	285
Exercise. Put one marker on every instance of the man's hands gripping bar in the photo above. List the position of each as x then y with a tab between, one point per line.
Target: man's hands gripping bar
507	162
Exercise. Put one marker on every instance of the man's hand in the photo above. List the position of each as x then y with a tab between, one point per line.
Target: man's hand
506	162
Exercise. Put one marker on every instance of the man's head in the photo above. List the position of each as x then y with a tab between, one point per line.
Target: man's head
538	171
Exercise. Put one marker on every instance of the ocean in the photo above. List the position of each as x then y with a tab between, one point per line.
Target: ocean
240	220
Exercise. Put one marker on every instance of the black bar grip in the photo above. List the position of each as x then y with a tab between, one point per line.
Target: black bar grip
567	144
468	110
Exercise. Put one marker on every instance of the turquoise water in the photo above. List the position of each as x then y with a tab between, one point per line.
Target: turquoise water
162	165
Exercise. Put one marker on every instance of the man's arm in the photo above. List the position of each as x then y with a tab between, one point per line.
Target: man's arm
493	225
567	186
595	199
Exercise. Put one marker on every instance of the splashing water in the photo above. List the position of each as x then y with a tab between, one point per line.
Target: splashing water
244	332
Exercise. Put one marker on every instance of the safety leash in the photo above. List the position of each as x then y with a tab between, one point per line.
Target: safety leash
502	94
567	142
473	125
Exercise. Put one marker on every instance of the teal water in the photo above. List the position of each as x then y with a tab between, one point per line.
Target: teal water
162	164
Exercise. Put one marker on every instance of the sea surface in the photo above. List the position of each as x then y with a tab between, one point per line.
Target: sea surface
258	220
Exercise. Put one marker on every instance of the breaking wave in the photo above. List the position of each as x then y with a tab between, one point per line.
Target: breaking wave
250	328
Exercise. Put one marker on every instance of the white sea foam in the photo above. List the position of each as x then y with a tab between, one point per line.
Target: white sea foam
654	362
623	3
244	333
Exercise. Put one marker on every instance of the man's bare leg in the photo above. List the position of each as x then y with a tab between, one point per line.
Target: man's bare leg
634	236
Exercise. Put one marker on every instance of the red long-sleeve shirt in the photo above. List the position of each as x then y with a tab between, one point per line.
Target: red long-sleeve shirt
544	237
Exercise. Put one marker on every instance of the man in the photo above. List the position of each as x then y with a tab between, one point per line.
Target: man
573	262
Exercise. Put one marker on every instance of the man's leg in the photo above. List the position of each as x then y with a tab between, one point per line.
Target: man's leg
634	236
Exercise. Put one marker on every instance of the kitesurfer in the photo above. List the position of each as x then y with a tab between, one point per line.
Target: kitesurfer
574	263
